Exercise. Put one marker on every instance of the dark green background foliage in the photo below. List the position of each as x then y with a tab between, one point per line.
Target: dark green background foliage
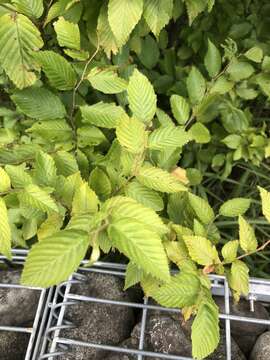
138	128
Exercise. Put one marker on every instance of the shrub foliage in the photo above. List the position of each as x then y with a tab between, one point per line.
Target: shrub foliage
111	114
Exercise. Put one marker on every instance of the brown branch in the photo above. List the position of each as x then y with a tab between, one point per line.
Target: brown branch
261	248
79	84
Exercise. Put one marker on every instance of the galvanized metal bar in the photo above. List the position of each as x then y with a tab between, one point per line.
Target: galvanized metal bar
31	343
120	349
143	326
227	321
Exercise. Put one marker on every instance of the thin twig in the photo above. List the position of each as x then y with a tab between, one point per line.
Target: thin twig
261	248
79	84
47	13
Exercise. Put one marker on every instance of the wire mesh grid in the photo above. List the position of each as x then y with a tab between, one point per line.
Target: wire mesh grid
56	344
36	329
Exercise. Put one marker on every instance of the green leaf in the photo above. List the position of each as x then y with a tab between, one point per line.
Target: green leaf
194	8
145	196
240	70
149	54
238	278
201	208
45	170
18	176
121	207
254	54
131	134
30	8
205	329
180	109
68	186
199	133
5	182
222	86
133	275
163	118
103	114
100	183
182	290
68	34
36	198
248	241
105	34
18	38
66	163
106	81
235	207
52	224
196	86
168	137
5	231
159	180
39	103
141	245
52	130
229	250
80	55
232	141
265	197
55	258
58	70
201	250
212	60
85	200
59	7
123	16
157	14
141	97
90	136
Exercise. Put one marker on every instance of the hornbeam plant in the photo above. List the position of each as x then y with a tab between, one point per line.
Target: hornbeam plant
90	156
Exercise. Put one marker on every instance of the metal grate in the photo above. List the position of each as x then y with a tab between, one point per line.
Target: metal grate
45	338
36	330
54	344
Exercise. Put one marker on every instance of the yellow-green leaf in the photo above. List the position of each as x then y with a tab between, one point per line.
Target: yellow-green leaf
85	200
5	231
248	241
131	134
123	16
55	258
201	250
201	208
68	34
5	183
265	197
18	38
159	180
229	250
142	98
141	245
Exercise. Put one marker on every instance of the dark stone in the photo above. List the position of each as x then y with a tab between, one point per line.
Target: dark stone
98	323
244	333
261	350
13	345
17	306
220	353
165	335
